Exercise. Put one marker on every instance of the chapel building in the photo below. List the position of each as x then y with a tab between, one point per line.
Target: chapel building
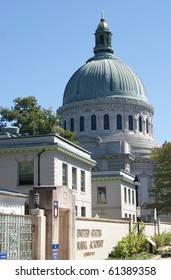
106	104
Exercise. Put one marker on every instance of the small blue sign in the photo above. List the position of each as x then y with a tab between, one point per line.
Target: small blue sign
3	257
55	206
55	249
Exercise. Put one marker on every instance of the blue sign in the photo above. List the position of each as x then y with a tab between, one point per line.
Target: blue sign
55	206
55	249
3	256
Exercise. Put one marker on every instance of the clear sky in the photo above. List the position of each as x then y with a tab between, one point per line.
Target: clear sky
43	42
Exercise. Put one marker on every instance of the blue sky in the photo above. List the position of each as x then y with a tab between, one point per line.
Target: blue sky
43	42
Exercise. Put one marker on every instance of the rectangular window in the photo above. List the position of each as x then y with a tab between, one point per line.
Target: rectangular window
101	195
74	178
82	181
26	173
76	210
83	211
125	195
129	196
133	198
65	174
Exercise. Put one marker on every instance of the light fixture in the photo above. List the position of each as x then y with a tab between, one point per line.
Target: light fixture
136	181
36	200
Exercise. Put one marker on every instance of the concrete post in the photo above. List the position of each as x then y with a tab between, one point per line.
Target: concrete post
158	226
38	234
130	225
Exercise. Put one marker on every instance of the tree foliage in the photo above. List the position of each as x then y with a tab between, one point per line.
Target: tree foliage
32	119
161	191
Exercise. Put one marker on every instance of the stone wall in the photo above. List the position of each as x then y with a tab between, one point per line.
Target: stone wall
96	237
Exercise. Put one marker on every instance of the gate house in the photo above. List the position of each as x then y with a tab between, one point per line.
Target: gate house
16	237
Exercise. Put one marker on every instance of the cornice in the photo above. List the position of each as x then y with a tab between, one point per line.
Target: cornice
120	178
112	104
67	152
52	147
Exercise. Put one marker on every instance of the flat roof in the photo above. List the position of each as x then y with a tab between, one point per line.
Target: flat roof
12	193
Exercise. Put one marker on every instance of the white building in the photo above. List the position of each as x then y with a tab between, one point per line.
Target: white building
113	195
12	202
47	160
106	104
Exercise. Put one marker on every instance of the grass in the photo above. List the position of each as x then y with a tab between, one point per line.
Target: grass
142	256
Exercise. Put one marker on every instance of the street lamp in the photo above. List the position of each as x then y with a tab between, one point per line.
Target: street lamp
137	185
36	200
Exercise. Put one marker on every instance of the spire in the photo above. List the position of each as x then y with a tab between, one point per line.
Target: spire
103	37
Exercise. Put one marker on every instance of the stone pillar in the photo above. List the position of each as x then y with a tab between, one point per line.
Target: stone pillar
136	124
125	123
38	234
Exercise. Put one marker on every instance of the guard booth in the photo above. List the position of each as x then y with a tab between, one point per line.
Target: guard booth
53	223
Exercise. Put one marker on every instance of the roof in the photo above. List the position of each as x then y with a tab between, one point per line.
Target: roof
52	142
104	76
12	193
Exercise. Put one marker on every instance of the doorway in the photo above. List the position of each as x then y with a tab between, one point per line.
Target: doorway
63	234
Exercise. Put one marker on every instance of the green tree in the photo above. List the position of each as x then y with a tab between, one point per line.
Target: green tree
161	191
32	119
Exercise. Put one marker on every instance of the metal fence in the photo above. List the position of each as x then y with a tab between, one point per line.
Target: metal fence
16	236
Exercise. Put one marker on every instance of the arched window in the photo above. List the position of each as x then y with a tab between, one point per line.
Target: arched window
101	39
106	121
147	130
118	122
130	122
64	125
93	122
140	123
72	125
81	123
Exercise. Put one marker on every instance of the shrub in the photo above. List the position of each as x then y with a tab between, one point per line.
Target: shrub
162	239
133	243
130	245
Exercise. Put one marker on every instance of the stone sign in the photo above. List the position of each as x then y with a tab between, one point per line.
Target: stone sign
90	240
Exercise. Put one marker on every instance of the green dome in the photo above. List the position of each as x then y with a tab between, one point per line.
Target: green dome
103	76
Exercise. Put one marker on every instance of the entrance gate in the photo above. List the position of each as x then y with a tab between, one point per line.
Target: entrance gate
16	236
63	235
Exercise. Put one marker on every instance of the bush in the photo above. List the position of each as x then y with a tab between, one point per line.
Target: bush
162	239
130	245
134	243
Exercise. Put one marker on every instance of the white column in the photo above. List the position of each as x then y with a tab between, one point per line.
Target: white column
38	234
